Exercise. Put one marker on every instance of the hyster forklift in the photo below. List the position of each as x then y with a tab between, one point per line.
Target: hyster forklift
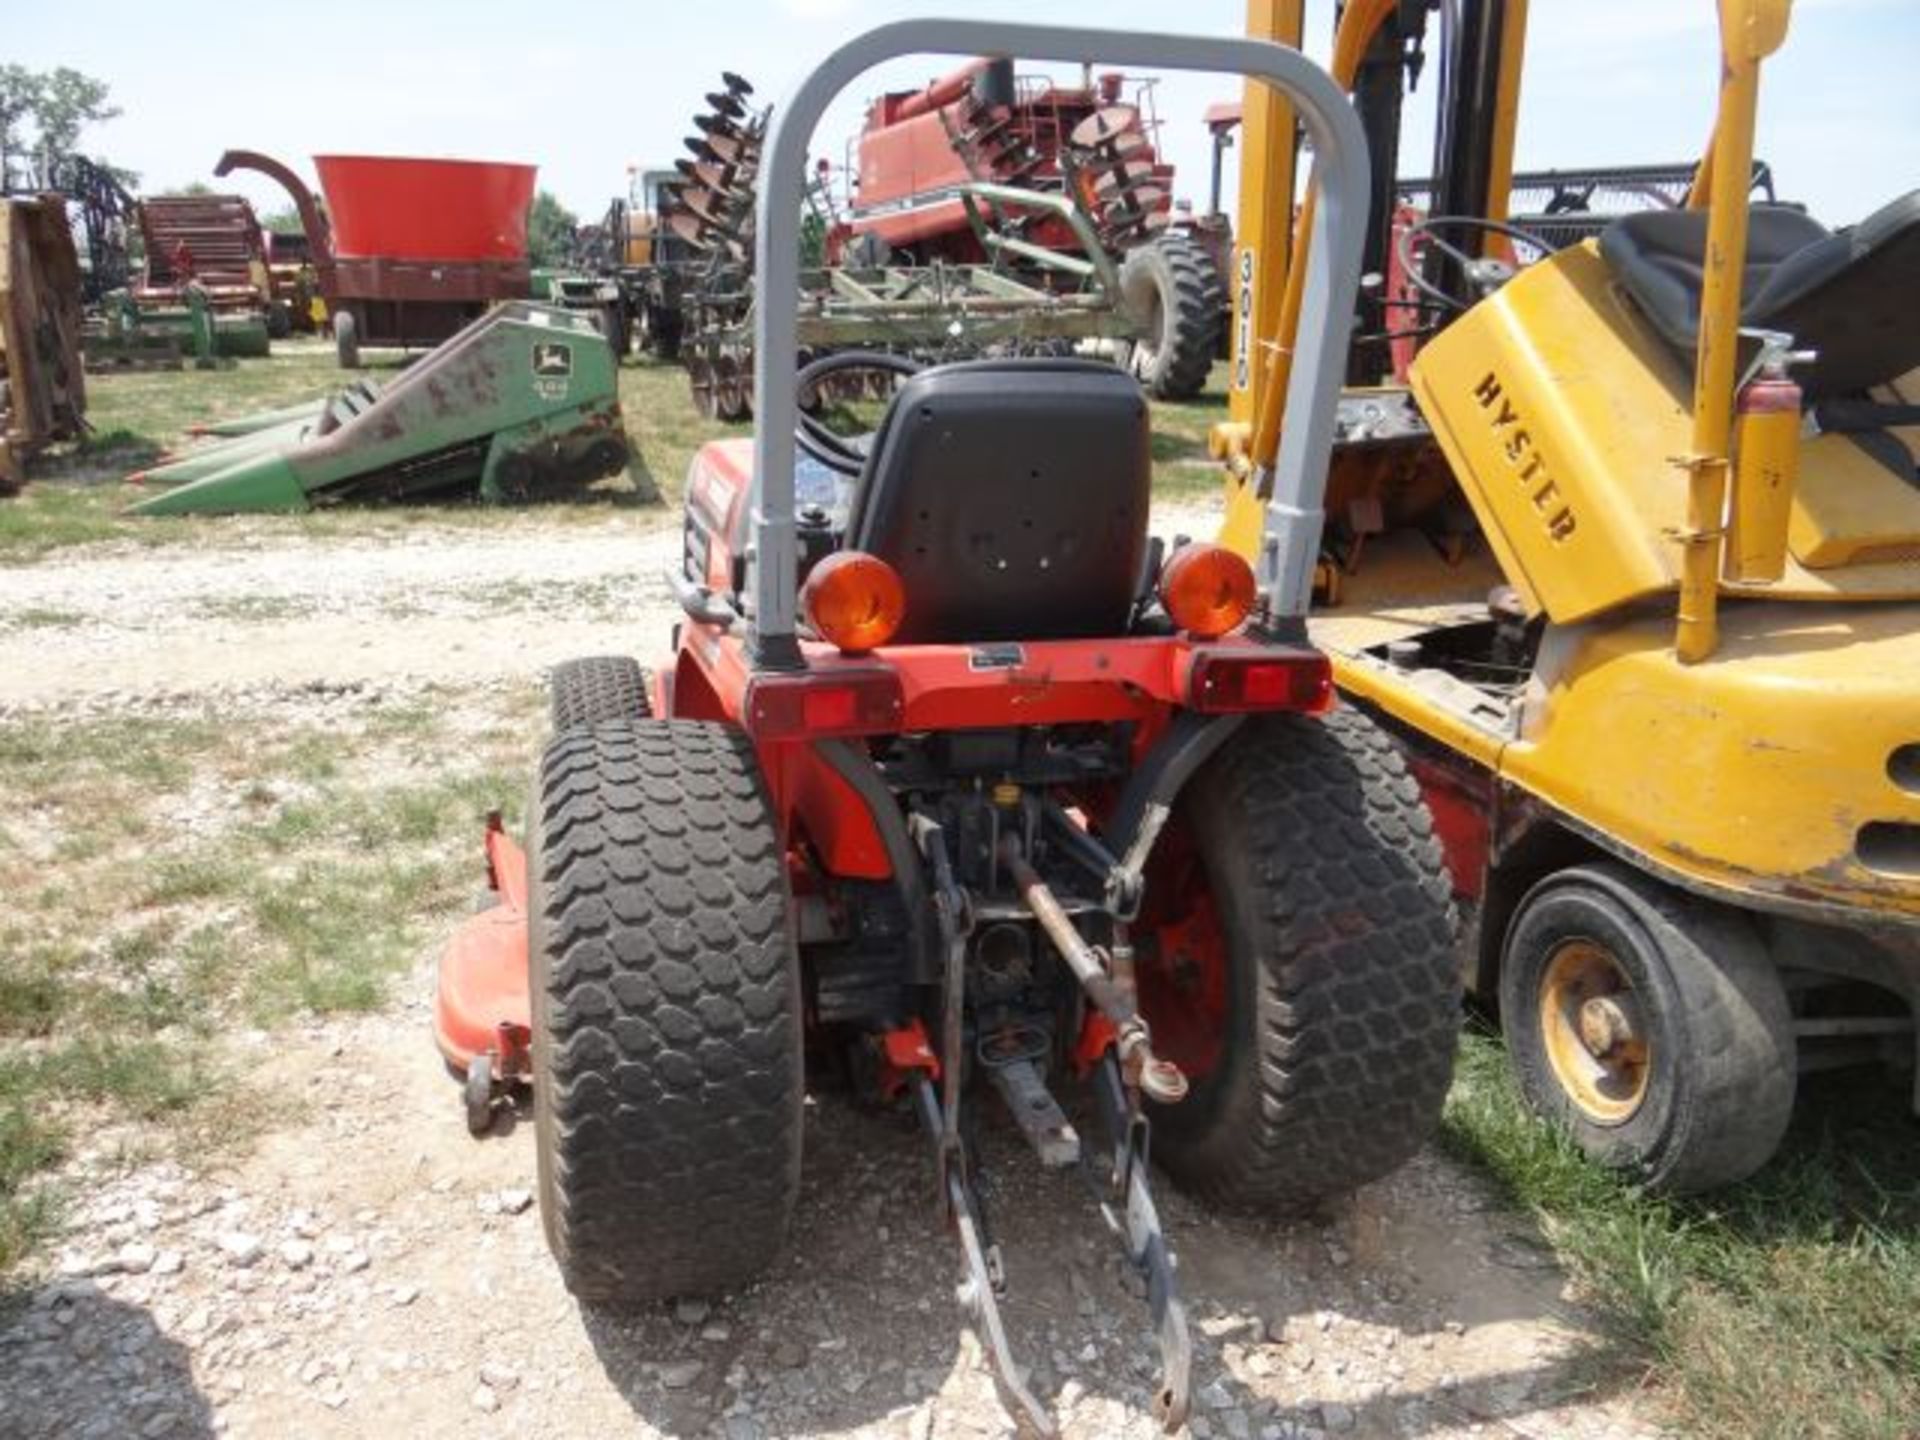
1628	557
953	782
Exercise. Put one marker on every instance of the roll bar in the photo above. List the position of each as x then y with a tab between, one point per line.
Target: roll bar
1291	538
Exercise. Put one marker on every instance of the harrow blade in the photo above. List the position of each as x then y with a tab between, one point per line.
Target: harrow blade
1105	126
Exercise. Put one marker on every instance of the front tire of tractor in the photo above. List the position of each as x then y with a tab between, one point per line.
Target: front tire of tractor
667	1080
1171	286
346	339
1651	1024
596	688
1297	960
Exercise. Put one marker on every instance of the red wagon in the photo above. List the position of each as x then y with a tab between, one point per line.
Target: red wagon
407	250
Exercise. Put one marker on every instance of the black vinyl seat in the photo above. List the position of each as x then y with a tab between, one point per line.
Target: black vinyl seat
1012	498
1851	295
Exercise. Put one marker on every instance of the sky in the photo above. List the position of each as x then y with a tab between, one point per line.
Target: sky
587	88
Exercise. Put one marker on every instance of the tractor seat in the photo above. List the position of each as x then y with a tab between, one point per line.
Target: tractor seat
1012	497
1851	295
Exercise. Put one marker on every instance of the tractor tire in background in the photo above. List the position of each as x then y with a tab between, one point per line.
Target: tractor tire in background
1651	1024
346	339
1173	287
1297	959
596	688
667	1081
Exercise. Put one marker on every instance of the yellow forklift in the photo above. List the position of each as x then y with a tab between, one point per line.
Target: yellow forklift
1623	543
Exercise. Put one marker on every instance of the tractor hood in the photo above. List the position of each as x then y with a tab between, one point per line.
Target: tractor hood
1563	413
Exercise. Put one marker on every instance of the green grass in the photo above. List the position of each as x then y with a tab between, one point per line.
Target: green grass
1788	1306
125	960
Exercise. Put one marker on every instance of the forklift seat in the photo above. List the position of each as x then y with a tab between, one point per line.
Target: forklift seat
1012	498
1851	295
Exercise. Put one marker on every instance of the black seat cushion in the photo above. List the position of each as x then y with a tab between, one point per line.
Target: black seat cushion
1853	296
1012	497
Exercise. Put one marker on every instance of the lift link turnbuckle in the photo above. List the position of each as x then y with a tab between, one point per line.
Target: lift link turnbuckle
1161	1080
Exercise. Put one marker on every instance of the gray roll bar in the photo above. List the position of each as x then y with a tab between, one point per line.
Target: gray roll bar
1292	533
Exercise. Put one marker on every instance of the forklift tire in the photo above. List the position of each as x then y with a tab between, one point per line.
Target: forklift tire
667	1081
1695	1087
1300	965
346	339
1172	287
585	692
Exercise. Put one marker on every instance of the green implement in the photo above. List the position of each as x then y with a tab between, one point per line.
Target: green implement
521	401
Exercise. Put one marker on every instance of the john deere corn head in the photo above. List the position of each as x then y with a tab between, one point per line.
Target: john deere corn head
520	402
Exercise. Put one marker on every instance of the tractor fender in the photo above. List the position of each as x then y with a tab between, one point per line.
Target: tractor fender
1189	742
862	777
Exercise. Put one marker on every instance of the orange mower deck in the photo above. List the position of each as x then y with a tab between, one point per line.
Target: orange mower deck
482	1011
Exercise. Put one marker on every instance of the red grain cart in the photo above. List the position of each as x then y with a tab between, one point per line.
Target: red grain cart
407	251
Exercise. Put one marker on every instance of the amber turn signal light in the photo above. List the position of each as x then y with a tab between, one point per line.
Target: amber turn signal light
1207	589
854	600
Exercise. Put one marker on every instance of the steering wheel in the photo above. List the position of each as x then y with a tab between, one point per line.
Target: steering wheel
1428	231
842	454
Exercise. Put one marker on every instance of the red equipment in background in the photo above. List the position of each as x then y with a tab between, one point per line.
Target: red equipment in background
982	123
426	209
213	241
408	250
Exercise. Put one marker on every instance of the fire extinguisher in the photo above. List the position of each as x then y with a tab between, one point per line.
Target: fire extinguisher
1766	461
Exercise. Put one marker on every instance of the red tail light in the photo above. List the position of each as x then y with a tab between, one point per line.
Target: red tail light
818	705
1225	682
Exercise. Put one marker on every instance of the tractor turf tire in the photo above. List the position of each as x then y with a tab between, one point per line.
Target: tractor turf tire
1720	1085
597	688
1342	998
667	1081
1173	282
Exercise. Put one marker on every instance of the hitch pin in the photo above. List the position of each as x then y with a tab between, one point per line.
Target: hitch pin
1161	1080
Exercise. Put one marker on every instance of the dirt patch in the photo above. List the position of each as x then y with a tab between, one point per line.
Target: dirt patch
369	1269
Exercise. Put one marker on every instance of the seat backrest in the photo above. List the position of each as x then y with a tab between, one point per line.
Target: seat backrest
1852	297
1659	255
1012	498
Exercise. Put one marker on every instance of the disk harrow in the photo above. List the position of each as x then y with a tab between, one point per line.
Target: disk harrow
1026	299
1110	153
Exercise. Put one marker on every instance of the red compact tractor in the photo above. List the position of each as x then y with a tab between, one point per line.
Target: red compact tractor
952	774
919	151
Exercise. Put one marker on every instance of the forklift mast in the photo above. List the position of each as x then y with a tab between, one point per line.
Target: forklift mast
1379	55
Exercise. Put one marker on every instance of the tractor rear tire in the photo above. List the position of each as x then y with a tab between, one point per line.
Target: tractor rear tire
667	1081
1711	1089
1311	903
597	688
1172	286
